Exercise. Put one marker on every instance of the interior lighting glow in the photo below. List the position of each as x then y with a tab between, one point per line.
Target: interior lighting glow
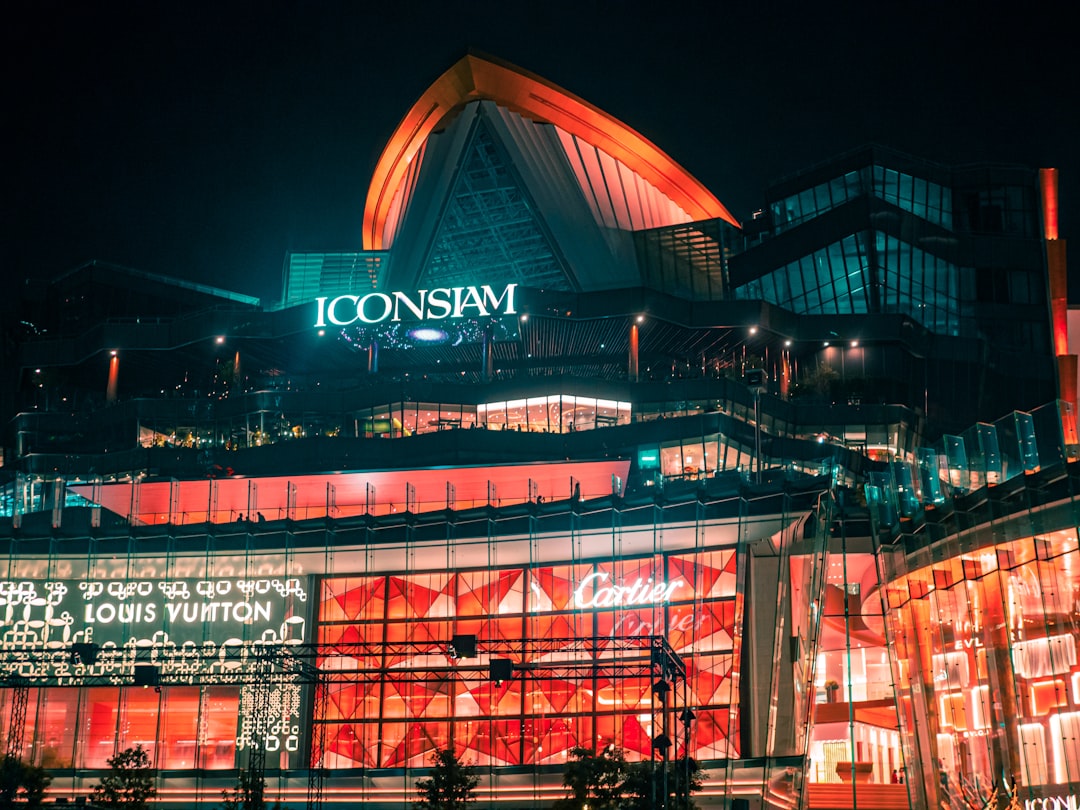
753	330
428	334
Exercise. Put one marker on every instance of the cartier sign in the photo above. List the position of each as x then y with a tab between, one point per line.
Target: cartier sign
421	305
595	592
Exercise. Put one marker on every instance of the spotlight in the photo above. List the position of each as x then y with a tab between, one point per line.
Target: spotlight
82	652
661	689
500	669
145	675
463	646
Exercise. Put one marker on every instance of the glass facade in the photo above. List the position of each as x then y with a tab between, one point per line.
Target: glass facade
572	612
873	272
923	198
388	718
986	647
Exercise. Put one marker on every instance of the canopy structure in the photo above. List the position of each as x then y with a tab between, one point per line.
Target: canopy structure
476	78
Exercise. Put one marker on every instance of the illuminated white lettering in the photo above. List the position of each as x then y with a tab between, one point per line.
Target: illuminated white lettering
494	303
361	307
638	594
331	313
468	298
416	309
439	303
436	304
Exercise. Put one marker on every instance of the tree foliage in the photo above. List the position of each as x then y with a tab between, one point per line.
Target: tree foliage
606	781
639	787
23	782
129	785
594	779
249	794
450	785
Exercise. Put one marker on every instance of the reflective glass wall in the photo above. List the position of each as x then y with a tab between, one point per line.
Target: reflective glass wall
986	648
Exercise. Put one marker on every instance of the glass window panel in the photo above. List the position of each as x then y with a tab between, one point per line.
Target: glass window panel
220	709
55	731
97	730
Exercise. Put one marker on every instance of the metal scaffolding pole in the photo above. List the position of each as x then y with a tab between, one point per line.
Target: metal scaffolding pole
20	694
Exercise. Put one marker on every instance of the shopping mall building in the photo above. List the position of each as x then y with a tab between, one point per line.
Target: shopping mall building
564	455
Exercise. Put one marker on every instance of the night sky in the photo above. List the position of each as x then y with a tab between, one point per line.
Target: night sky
203	141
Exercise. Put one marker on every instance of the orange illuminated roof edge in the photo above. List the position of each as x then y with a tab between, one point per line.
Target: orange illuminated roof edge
474	78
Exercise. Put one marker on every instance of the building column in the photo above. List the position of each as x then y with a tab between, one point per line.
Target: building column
112	387
487	360
373	357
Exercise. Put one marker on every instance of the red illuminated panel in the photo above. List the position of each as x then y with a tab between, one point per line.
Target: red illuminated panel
1048	181
221	711
305	496
706	628
99	731
350	745
526	719
486	592
709	734
711	682
708	575
411	744
350	600
179	733
489	742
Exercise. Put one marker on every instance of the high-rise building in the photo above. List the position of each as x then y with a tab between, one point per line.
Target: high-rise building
563	456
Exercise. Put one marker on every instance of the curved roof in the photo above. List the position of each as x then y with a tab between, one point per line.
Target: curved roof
474	78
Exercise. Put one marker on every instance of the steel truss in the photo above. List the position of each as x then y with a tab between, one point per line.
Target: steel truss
258	668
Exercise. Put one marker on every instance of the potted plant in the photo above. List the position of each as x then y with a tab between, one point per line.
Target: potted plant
832	689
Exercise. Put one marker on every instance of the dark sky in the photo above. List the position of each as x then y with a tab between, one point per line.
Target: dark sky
204	141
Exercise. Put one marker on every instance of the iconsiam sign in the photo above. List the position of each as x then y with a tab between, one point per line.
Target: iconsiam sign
422	305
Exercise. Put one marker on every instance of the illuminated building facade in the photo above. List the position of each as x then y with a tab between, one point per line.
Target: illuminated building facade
564	456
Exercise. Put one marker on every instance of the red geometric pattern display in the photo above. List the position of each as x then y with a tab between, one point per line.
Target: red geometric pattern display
416	701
